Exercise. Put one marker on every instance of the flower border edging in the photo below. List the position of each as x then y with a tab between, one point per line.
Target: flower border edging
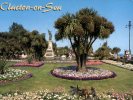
28	65
24	77
85	78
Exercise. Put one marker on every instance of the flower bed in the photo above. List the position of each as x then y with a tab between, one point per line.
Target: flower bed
26	64
119	64
94	62
90	73
12	75
47	95
38	95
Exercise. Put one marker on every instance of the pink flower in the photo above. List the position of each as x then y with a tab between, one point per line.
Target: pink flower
33	64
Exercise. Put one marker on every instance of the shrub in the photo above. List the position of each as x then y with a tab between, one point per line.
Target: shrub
2	66
29	59
84	93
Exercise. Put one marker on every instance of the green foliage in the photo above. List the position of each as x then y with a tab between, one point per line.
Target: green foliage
55	48
116	50
29	59
90	52
103	52
82	29
7	47
11	41
28	42
62	51
2	66
17	29
38	44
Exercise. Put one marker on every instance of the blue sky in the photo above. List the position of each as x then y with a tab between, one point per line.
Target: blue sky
119	12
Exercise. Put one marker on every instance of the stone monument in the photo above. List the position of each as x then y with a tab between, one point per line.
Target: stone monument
49	52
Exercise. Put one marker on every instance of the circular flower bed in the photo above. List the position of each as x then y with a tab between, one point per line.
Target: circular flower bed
26	64
94	62
11	75
90	73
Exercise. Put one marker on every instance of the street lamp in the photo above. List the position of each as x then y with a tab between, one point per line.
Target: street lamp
129	26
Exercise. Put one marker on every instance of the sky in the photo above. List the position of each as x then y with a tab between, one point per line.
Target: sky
119	12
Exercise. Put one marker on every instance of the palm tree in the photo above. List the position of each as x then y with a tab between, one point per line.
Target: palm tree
116	50
82	29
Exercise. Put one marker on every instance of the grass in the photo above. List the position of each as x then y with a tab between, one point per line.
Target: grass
42	79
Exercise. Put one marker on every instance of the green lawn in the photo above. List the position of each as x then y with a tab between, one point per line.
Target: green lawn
42	79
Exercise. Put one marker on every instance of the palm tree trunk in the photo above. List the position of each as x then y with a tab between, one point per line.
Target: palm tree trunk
78	64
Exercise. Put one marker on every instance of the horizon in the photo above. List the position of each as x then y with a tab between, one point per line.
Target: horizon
36	20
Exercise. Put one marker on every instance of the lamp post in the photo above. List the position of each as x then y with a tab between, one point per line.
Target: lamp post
129	26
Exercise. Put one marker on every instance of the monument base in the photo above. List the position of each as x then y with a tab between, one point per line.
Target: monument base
49	58
49	52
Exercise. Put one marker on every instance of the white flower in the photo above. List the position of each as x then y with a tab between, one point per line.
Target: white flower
9	95
0	96
59	98
15	94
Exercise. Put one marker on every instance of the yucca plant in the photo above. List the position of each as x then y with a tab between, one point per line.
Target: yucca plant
2	66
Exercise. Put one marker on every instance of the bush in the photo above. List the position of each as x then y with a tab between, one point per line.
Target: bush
84	93
29	59
2	66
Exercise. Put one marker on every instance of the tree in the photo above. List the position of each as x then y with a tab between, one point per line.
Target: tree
17	29
103	52
7	47
34	44
90	52
63	51
38	44
20	35
116	50
31	43
55	48
82	29
2	66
